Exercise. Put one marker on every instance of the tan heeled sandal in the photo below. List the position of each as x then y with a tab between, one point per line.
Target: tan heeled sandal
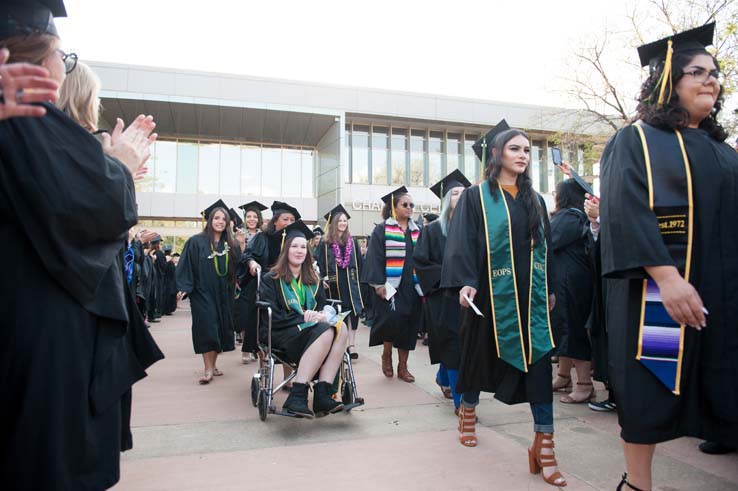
572	399
537	461
467	426
562	382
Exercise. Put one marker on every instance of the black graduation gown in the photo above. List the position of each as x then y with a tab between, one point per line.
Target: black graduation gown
264	248
399	326
170	288
596	323
441	308
344	285
65	211
211	296
160	264
571	242
286	336
465	264
708	405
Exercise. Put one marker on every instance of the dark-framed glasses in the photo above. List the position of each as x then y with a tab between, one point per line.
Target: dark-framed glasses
70	61
701	75
407	205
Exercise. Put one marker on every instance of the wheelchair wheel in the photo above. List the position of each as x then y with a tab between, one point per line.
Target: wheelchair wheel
262	403
254	390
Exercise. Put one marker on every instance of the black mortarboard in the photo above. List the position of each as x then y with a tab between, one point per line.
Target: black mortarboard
235	218
156	239
22	17
698	38
282	207
298	229
394	194
218	204
453	180
253	205
318	231
431	217
168	248
489	138
335	211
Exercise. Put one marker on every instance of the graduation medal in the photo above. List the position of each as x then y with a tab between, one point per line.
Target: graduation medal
660	339
503	289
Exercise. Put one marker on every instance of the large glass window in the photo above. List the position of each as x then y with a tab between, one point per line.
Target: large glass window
166	167
472	166
146	185
551	180
535	165
454	158
230	170
250	170
209	168
380	155
291	163
186	168
418	147
435	157
360	154
271	175
399	156
308	173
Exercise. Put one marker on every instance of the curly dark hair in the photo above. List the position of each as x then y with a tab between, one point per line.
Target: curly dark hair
672	115
524	182
569	194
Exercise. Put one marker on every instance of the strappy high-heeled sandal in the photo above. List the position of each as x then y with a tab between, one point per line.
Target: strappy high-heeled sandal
537	460
624	482
467	426
561	386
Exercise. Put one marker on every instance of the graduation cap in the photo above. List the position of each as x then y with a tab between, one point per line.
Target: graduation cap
23	17
335	211
431	217
156	240
652	54
297	229
218	204
482	146
282	207
253	205
453	180
168	248
235	218
318	231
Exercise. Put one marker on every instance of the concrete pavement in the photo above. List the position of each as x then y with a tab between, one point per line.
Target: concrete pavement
192	437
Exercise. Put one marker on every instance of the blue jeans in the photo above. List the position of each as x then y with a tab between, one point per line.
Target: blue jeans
447	377
543	415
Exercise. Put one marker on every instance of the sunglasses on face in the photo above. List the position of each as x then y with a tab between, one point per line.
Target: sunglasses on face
407	205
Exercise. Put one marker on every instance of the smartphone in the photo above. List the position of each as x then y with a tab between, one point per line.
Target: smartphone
556	156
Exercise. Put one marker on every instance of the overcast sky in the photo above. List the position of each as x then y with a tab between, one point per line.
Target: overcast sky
508	51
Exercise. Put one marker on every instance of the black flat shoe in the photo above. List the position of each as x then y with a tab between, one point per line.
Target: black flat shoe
716	448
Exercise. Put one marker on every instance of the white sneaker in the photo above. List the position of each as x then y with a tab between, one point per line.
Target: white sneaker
246	358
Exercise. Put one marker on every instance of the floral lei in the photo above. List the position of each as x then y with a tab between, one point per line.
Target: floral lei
343	260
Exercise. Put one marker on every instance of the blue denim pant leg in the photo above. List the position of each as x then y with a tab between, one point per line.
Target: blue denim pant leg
453	375
442	375
543	417
470	398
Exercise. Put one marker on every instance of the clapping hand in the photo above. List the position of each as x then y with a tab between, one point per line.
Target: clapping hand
23	84
131	145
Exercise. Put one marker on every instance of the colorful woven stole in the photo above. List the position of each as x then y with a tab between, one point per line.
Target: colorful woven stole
660	339
394	247
292	300
503	288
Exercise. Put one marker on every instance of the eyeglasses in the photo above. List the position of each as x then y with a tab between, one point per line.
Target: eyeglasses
407	205
70	61
701	75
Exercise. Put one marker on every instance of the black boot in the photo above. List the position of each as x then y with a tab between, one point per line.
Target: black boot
297	402
323	403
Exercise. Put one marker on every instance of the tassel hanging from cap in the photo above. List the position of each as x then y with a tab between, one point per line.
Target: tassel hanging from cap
484	158
328	221
666	77
392	205
284	236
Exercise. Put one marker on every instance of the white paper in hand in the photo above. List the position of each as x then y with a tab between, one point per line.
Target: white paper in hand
471	304
391	290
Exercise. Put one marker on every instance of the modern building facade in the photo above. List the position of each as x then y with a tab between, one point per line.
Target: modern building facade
313	145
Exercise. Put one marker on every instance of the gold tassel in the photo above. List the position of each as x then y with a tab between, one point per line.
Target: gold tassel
392	200
284	236
328	222
666	76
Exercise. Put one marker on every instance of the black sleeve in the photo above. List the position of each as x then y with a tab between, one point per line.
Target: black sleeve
320	258
567	227
375	272
186	273
427	269
630	234
461	259
550	263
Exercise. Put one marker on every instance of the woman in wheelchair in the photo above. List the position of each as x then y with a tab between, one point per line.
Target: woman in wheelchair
300	329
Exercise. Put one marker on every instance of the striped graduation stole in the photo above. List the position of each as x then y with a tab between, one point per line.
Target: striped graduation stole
394	247
660	339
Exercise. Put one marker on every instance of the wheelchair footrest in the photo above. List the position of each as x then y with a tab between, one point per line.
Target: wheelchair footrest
348	407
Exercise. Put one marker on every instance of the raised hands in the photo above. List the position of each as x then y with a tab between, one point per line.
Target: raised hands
23	84
132	145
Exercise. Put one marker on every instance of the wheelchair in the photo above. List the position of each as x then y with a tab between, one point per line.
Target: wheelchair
262	382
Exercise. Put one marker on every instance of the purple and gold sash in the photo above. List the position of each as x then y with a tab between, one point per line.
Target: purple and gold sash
660	339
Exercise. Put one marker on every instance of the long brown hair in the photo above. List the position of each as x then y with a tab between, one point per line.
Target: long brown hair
523	181
32	48
334	235
226	235
281	268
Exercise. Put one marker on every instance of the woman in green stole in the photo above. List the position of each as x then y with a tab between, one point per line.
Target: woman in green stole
497	256
300	328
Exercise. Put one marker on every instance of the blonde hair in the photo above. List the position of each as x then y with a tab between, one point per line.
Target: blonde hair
78	97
